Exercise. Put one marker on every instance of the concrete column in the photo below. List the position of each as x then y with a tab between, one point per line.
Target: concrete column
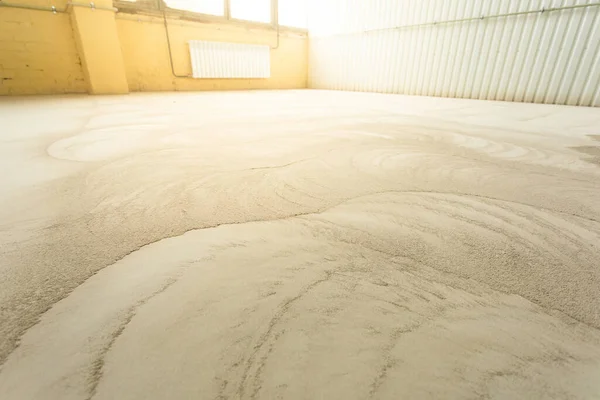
99	48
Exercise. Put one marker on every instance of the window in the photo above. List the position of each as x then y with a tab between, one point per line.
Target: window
212	7
251	10
293	13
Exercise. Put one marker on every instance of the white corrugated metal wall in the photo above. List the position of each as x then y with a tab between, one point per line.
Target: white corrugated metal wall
543	57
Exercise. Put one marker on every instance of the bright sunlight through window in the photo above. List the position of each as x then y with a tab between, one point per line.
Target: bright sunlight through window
251	10
293	13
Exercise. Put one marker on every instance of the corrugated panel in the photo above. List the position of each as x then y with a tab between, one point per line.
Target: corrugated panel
543	57
229	60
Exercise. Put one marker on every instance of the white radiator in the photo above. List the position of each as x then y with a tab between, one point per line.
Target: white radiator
229	60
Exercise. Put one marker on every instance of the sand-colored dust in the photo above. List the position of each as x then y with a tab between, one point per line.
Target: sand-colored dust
593	151
298	245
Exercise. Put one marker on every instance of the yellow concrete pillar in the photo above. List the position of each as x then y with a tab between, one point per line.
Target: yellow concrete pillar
99	47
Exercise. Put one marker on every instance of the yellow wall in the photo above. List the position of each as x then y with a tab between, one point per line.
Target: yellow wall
38	53
146	56
102	52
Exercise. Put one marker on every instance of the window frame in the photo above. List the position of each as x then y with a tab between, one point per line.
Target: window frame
160	7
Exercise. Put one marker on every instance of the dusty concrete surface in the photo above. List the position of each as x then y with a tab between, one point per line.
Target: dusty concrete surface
298	245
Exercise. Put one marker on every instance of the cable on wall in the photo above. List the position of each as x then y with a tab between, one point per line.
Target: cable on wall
169	47
278	36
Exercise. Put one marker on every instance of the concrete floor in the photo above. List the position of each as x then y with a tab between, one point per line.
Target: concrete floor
298	245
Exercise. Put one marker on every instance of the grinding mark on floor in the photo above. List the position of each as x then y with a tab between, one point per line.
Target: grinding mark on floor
590	150
389	360
176	234
98	364
268	337
593	151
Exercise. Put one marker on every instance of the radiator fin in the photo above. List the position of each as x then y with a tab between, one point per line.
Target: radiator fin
229	60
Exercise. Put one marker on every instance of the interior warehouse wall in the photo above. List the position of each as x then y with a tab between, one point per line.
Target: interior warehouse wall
98	51
545	57
146	56
38	53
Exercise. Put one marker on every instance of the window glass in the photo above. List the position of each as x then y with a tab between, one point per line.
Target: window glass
251	10
293	13
212	7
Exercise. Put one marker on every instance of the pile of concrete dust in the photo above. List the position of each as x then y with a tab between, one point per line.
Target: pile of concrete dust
298	244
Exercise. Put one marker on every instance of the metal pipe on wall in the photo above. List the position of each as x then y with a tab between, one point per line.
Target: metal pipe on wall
483	17
92	6
55	10
51	9
275	19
